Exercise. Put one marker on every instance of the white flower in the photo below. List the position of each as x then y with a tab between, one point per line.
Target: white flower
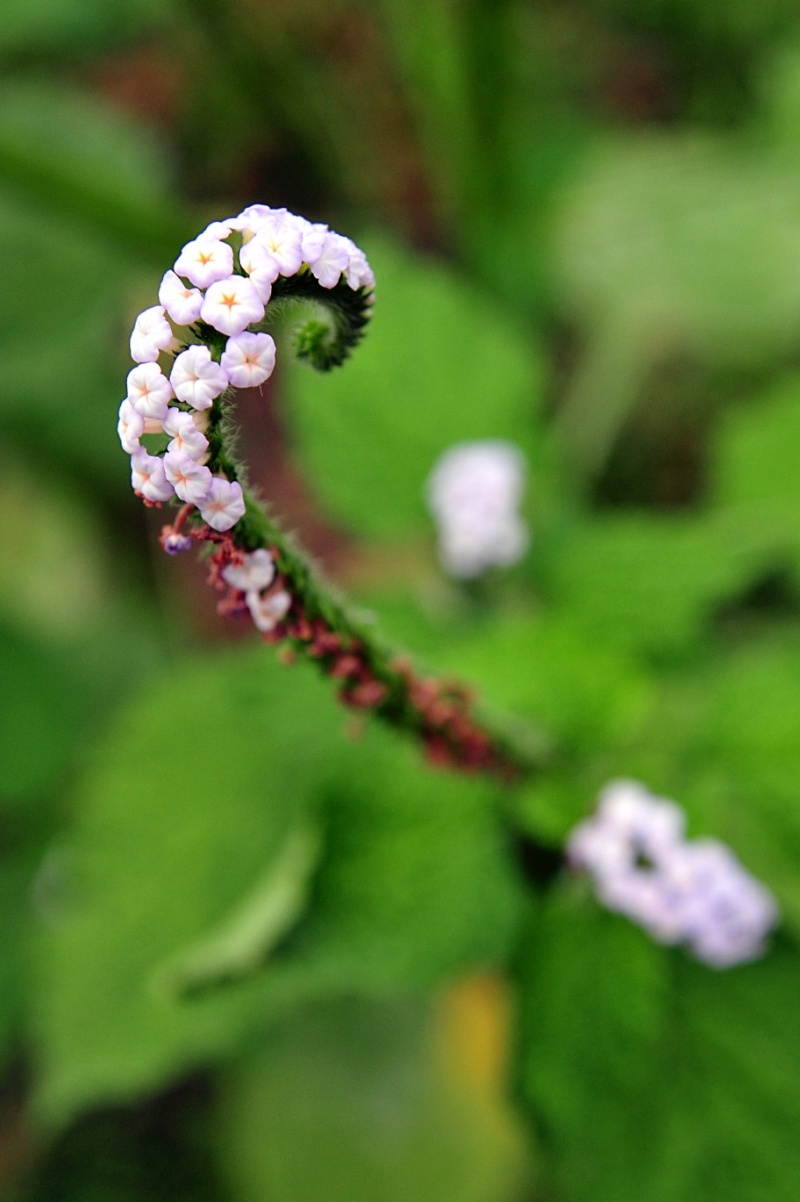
253	217
148	476
473	493
693	892
283	244
232	304
130	427
255	572
224	504
313	235
248	359
218	230
197	378
267	611
149	390
261	268
191	481
205	260
332	260
185	435
151	333
182	303
727	912
359	273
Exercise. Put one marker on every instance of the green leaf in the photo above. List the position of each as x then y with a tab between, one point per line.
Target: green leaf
416	883
354	1102
651	584
440	363
693	236
754	467
82	204
651	1076
547	669
46	26
42	711
592	1005
240	946
195	790
734	758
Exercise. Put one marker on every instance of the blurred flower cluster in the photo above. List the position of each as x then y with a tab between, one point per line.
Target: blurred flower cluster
474	492
681	891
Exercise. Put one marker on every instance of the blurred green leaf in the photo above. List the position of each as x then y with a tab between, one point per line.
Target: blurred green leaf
350	1101
191	794
697	237
652	1076
240	946
415	884
74	26
82	198
671	245
593	1001
42	715
734	731
754	456
440	363
651	584
546	668
730	1072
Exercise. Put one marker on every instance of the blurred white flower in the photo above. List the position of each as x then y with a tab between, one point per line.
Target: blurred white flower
148	476
191	481
474	493
267	611
224	504
681	891
185	435
254	573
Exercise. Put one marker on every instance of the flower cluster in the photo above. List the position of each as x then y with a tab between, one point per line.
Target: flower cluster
474	492
694	892
199	341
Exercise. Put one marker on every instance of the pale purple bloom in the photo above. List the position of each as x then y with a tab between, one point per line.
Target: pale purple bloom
248	359
332	260
181	302
204	261
232	304
224	504
149	391
197	378
267	611
149	478
191	481
359	273
474	492
130	427
185	435
262	269
283	243
255	572
151	334
174	543
691	892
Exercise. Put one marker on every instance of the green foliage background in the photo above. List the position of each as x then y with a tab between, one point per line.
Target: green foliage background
247	953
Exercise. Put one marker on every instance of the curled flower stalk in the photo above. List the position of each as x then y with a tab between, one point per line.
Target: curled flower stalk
208	336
